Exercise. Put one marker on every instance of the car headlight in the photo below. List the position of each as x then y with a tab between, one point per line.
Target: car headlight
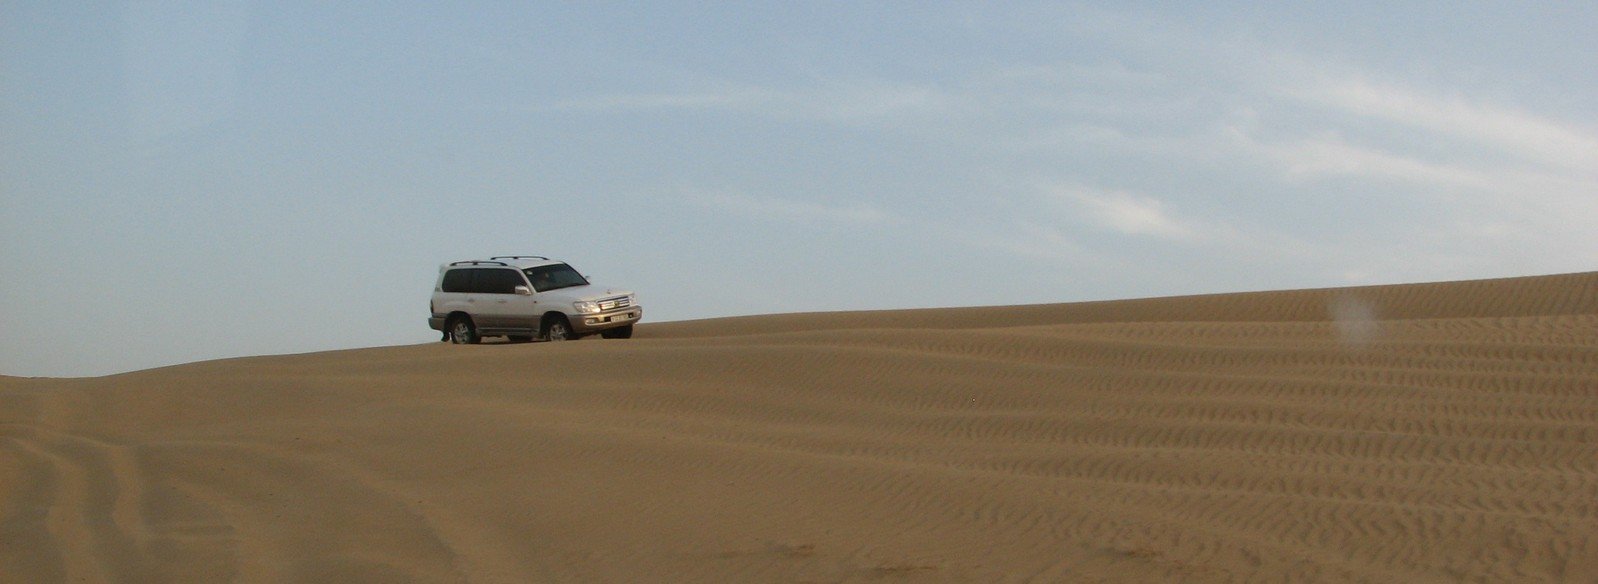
585	307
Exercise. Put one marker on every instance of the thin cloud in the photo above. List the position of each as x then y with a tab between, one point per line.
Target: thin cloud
790	210
660	101
874	100
1129	213
1544	140
1025	239
861	101
1331	156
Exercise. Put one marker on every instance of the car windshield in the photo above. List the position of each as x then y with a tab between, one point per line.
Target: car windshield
546	278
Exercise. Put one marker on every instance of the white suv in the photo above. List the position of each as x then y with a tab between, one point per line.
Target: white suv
525	298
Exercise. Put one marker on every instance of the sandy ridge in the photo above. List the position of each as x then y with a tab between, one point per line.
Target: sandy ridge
1419	433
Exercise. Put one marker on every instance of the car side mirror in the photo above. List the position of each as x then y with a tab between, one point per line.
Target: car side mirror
524	291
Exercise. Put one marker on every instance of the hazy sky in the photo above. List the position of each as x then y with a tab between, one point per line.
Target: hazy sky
184	181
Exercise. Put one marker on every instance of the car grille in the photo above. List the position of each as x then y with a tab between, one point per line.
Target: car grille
614	303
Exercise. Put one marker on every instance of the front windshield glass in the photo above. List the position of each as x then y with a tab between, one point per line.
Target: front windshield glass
546	278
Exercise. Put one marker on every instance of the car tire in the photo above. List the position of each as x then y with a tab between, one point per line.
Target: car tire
462	331
556	328
621	332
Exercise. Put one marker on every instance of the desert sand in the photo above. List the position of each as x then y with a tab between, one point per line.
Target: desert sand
1411	433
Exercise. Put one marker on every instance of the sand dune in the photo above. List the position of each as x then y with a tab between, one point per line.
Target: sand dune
1420	433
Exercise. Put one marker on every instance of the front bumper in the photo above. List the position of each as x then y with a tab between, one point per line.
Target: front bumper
587	323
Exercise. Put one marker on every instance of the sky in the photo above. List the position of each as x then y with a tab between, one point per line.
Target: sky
182	181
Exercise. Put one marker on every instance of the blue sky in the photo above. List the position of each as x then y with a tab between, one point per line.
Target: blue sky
185	181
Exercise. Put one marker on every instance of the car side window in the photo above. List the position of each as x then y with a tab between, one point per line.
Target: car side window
458	281
498	281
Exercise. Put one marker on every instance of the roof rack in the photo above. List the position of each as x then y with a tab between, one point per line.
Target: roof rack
519	258
479	262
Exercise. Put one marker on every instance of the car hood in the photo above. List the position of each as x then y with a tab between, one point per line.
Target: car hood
589	292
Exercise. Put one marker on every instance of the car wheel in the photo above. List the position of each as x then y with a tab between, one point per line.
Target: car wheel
621	332
462	331
557	329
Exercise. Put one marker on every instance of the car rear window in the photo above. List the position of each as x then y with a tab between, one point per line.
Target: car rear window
483	280
458	281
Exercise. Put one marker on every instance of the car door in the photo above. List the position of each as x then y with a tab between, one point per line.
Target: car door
498	302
